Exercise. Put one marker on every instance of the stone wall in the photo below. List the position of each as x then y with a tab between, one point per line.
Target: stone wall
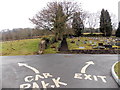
42	47
94	51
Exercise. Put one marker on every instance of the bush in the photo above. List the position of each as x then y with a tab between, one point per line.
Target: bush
47	41
53	40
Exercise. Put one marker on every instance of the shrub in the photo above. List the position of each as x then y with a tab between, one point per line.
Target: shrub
47	41
53	40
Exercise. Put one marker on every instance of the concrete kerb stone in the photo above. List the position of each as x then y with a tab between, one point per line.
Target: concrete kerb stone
114	74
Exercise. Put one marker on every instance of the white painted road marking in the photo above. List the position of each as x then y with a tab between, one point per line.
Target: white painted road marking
95	78
32	68
57	82
85	76
78	75
44	84
30	79
83	70
103	78
90	77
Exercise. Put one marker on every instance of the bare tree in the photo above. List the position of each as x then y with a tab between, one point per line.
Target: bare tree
114	20
84	15
52	15
92	20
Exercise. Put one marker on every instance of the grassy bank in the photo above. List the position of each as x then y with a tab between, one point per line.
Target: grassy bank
26	47
117	69
19	47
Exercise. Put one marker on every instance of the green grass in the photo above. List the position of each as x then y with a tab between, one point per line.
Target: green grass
26	47
30	46
20	47
117	69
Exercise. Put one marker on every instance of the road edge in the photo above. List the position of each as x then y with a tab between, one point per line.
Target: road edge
114	74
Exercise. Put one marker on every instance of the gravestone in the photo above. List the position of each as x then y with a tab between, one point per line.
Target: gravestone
77	43
85	42
108	46
72	41
100	44
90	42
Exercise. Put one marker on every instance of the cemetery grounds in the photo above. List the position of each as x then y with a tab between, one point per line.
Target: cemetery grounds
30	46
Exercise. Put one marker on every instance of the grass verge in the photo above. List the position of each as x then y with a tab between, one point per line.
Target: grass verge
117	69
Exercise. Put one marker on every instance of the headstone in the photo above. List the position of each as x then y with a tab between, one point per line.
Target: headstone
81	47
78	39
77	43
72	41
118	44
90	42
108	46
100	44
85	42
95	42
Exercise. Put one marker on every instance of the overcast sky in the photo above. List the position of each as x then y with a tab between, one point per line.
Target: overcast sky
16	13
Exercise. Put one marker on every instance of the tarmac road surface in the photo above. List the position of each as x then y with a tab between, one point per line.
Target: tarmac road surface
58	71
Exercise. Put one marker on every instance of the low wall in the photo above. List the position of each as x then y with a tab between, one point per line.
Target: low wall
94	51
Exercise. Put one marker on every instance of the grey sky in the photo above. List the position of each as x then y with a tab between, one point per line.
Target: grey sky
16	13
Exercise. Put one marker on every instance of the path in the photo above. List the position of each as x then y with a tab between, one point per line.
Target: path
64	45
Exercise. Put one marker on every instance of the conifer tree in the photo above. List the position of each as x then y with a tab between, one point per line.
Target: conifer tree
77	24
118	31
105	23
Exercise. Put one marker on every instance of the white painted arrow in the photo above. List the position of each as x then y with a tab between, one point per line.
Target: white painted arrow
32	68
83	70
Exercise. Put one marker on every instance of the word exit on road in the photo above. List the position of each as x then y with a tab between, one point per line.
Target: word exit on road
82	74
90	77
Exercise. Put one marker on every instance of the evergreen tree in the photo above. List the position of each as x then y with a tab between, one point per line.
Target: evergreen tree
59	23
118	31
77	24
105	23
108	24
102	21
